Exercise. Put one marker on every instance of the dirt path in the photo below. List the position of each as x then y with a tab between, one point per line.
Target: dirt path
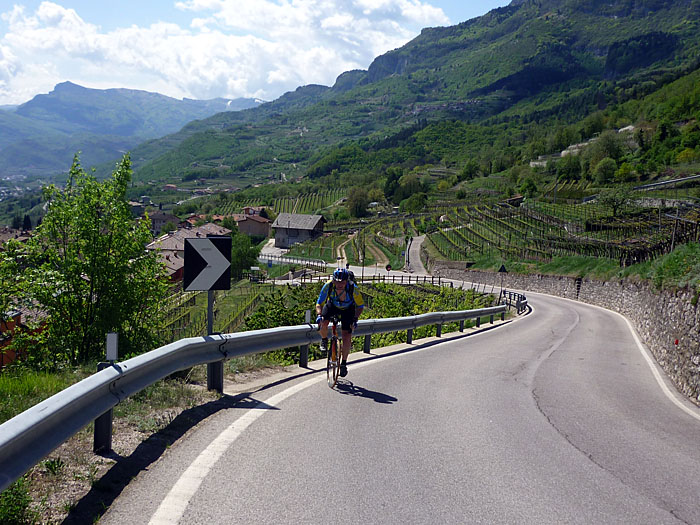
340	250
377	254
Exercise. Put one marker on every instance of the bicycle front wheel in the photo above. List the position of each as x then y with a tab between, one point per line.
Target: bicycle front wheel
333	363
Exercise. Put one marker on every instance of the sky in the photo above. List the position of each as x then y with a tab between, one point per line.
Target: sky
205	49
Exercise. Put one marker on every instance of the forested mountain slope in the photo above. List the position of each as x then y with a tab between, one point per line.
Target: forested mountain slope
41	136
535	62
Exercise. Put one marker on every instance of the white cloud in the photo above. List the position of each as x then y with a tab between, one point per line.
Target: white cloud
231	48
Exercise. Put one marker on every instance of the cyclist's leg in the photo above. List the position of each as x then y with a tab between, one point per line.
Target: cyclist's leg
326	314
346	319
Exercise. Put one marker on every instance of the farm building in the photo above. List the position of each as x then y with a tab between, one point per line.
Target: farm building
293	228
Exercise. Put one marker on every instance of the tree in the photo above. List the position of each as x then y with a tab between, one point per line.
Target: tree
686	156
625	173
11	257
528	187
89	271
27	223
230	224
470	170
393	174
608	145
414	203
605	170
569	168
616	198
357	203
243	254
376	195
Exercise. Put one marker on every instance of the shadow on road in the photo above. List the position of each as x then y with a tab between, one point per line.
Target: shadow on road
110	485
349	389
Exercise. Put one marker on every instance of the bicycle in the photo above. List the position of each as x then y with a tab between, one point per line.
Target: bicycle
334	354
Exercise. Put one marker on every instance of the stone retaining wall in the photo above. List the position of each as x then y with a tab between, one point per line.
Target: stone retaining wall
660	318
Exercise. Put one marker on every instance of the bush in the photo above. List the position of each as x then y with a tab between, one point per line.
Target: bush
605	170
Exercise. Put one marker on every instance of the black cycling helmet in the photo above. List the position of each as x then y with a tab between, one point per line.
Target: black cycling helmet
341	274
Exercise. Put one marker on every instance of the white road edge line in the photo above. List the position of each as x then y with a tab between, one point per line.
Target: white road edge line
173	506
657	375
175	502
647	357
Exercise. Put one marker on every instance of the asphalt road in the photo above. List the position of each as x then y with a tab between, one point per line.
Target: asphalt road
554	418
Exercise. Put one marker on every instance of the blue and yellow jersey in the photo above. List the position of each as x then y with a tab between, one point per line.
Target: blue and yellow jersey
344	300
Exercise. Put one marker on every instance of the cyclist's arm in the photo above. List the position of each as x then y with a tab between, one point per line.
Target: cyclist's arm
322	298
359	302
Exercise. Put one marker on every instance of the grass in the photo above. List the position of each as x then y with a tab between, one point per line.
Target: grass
249	363
22	389
175	391
679	268
15	504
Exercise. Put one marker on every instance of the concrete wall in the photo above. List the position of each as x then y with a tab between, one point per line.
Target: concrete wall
660	318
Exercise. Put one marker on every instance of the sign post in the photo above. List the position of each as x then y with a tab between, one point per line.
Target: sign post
208	268
502	270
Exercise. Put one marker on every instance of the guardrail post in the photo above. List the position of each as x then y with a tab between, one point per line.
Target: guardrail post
478	322
439	330
215	371
491	320
304	349
461	325
102	439
409	336
368	343
503	316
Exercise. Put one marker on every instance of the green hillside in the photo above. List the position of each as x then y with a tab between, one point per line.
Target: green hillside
102	124
496	81
473	102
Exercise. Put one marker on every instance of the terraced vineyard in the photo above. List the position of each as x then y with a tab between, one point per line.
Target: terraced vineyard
307	203
541	231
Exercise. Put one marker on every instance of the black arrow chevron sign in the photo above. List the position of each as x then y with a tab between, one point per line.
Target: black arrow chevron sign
207	264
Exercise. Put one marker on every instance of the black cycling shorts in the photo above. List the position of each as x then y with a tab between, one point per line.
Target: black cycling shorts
347	316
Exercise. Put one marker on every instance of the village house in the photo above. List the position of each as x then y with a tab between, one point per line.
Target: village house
293	228
12	324
171	246
7	331
174	265
159	219
252	223
137	208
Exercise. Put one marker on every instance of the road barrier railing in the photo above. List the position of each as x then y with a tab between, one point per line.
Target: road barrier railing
515	300
32	435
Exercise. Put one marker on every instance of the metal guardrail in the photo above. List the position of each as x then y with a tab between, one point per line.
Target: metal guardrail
316	264
514	299
33	434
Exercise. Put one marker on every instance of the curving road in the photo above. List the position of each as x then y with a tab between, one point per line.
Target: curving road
554	418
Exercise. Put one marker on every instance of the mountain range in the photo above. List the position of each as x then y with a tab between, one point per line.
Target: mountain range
452	94
533	63
41	136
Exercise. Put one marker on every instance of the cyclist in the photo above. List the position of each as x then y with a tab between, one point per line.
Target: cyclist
339	297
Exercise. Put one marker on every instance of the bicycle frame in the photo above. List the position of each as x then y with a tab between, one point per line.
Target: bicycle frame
334	354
